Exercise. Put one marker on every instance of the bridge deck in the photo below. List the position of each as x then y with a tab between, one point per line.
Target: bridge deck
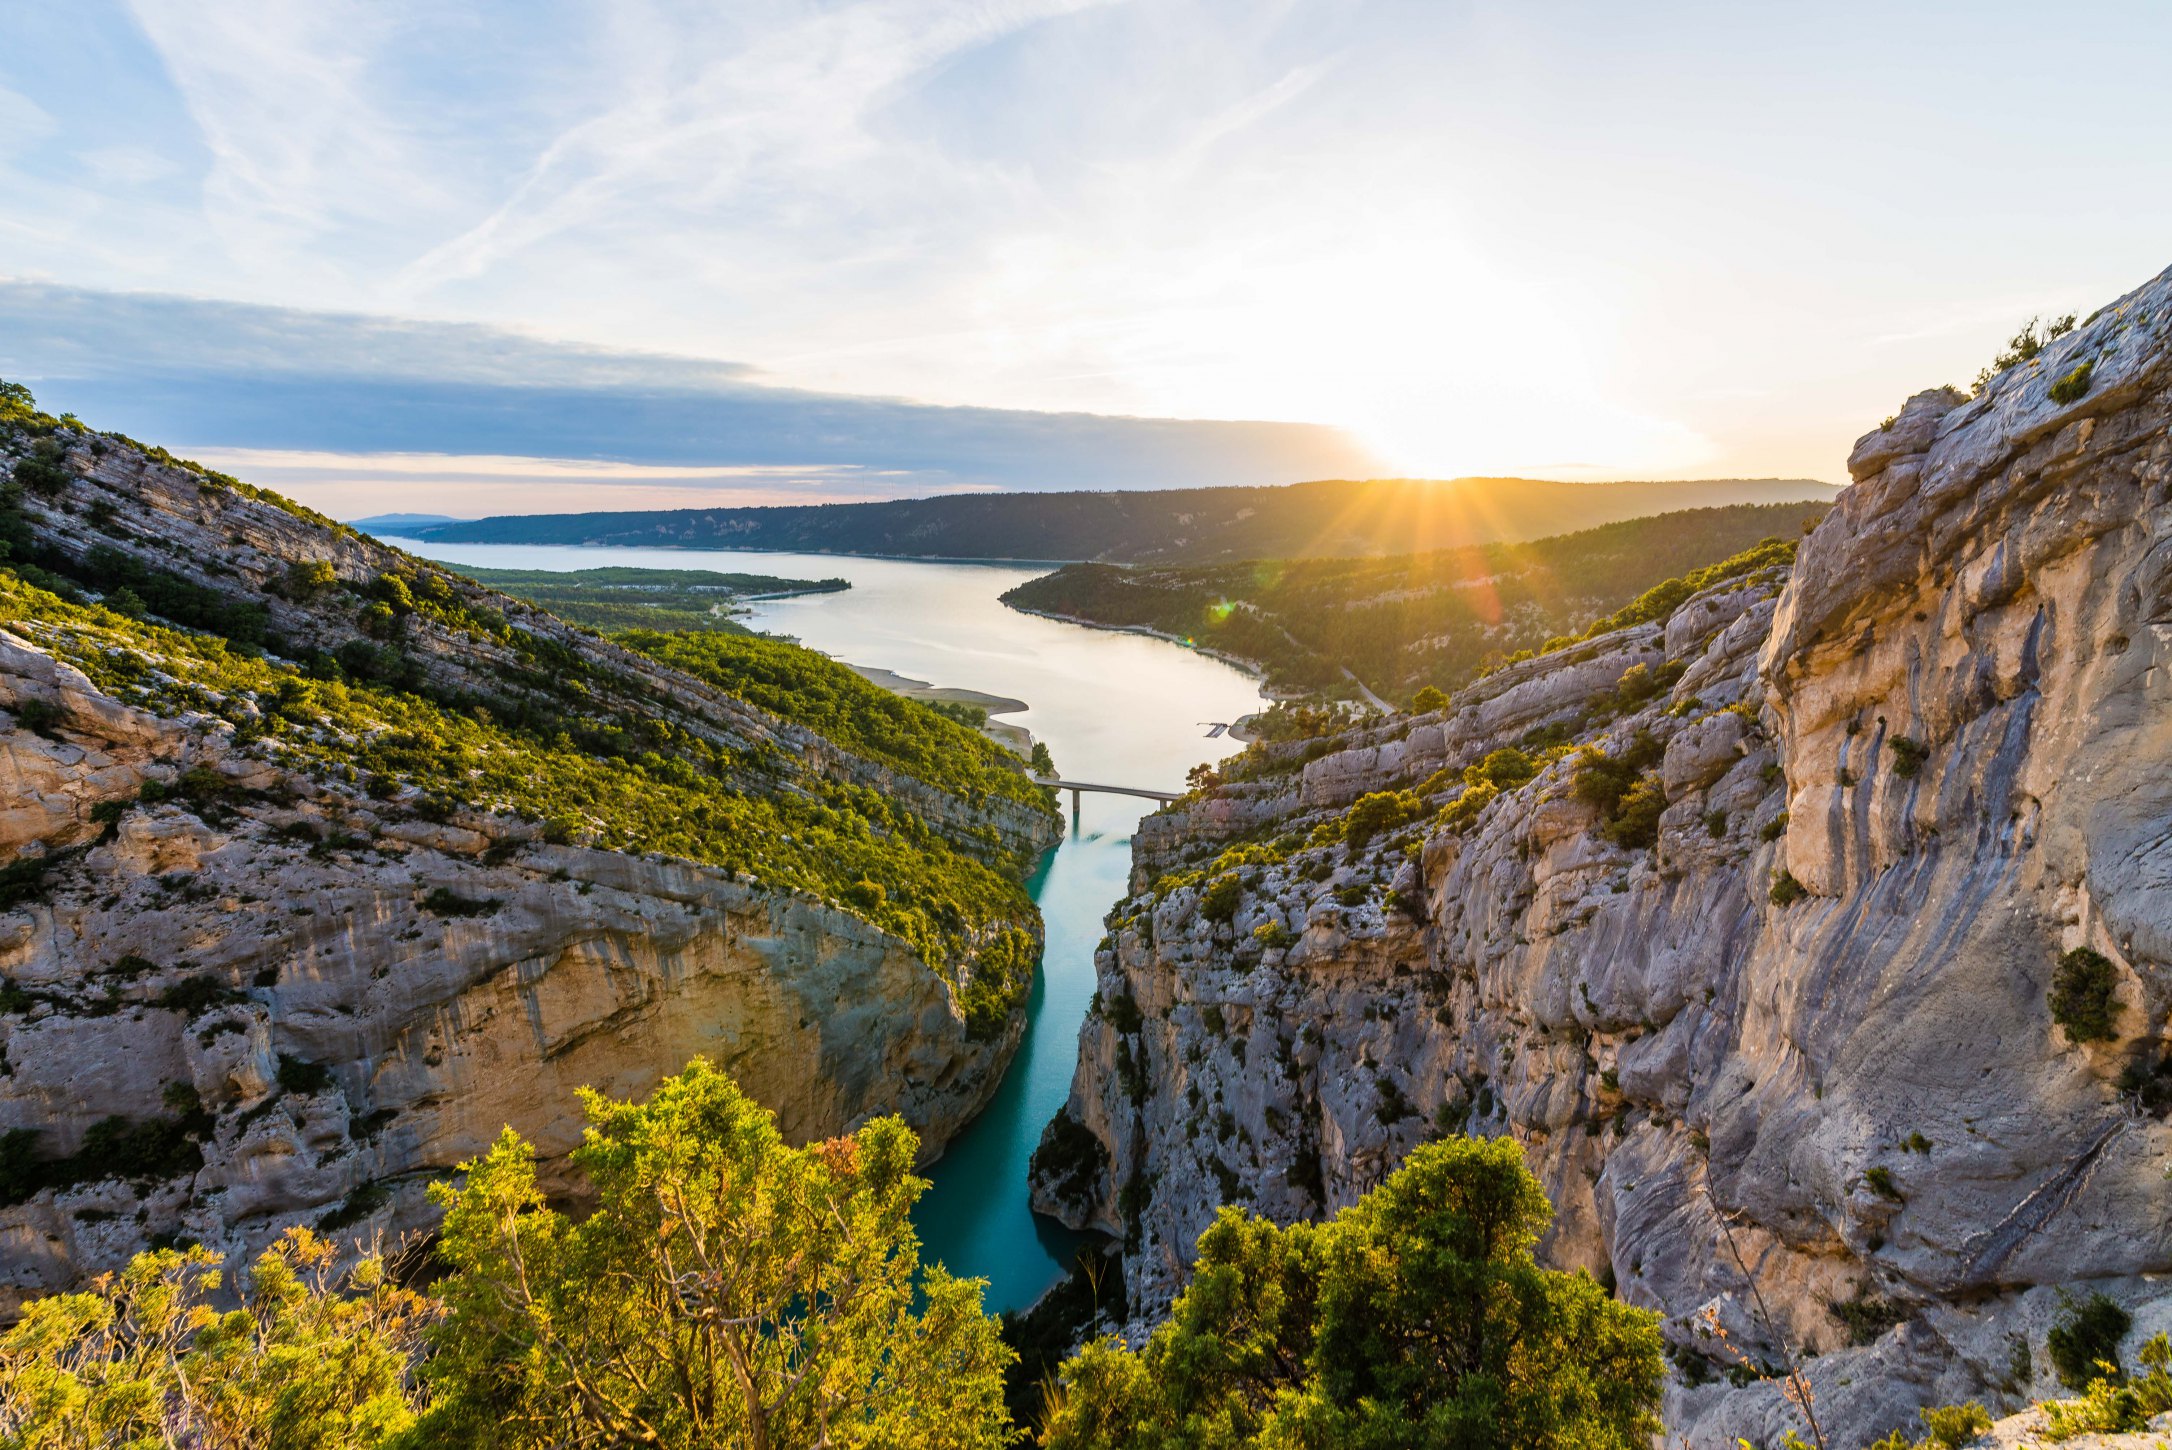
1087	785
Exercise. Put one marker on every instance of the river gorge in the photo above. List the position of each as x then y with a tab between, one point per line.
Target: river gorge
1115	707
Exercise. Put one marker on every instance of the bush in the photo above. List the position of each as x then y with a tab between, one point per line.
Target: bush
1428	700
1603	779
444	901
2073	386
297	1076
308	578
1378	812
39	717
1635	826
196	995
1786	890
1953	1426
2087	1335
1908	756
2106	1407
1069	1160
1220	899
2081	996
1866	1316
45	472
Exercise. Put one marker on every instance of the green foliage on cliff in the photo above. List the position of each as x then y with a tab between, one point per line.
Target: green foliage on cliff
1416	1318
664	791
1417	621
2082	1001
727	1290
798	684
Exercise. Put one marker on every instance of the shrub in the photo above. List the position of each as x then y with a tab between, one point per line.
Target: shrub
1953	1426
2081	996
1603	779
1866	1316
1378	812
1773	829
1879	1180
1428	700
39	717
297	1076
1635	826
2073	386
2106	1407
2087	1334
1786	890
308	578
196	995
1220	899
1069	1160
45	472
1908	756
444	901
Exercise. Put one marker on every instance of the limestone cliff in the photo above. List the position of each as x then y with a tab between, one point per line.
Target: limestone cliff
1797	1032
242	988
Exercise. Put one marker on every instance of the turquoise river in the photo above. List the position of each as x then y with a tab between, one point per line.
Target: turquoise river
1121	708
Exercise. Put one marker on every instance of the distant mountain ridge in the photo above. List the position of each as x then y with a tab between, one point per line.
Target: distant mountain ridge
1325	519
393	523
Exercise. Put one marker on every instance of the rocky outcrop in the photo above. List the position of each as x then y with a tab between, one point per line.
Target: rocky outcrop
241	990
1804	1041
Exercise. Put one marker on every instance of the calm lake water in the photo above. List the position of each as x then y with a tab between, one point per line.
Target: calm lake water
1118	708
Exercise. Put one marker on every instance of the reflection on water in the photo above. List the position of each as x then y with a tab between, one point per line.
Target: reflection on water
1119	708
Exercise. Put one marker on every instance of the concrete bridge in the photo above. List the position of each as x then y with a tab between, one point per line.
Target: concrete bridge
1080	787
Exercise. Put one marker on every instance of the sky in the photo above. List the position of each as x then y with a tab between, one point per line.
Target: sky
542	254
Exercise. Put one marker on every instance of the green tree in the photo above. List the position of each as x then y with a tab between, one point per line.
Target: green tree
311	1360
727	1290
1416	1318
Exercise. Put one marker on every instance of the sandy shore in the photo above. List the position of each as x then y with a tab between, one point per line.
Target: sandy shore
1015	737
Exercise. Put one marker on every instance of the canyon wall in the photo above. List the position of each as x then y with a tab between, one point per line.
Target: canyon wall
241	990
1796	1036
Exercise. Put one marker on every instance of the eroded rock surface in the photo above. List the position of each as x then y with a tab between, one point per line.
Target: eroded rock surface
299	995
1804	1037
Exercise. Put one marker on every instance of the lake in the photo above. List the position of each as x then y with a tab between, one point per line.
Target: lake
1124	709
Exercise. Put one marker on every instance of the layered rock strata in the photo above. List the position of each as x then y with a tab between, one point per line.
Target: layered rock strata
1917	796
241	994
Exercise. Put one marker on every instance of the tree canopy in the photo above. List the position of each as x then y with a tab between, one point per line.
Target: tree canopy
1415	1318
728	1290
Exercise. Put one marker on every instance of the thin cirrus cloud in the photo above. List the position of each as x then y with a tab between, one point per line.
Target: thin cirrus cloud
1472	235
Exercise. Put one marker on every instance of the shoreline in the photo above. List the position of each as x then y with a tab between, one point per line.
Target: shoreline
1252	668
1015	738
744	549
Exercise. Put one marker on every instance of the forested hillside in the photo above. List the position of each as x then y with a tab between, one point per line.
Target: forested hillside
321	864
1400	624
617	597
1327	519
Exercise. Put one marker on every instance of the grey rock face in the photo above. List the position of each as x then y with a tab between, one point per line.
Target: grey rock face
1947	741
346	998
